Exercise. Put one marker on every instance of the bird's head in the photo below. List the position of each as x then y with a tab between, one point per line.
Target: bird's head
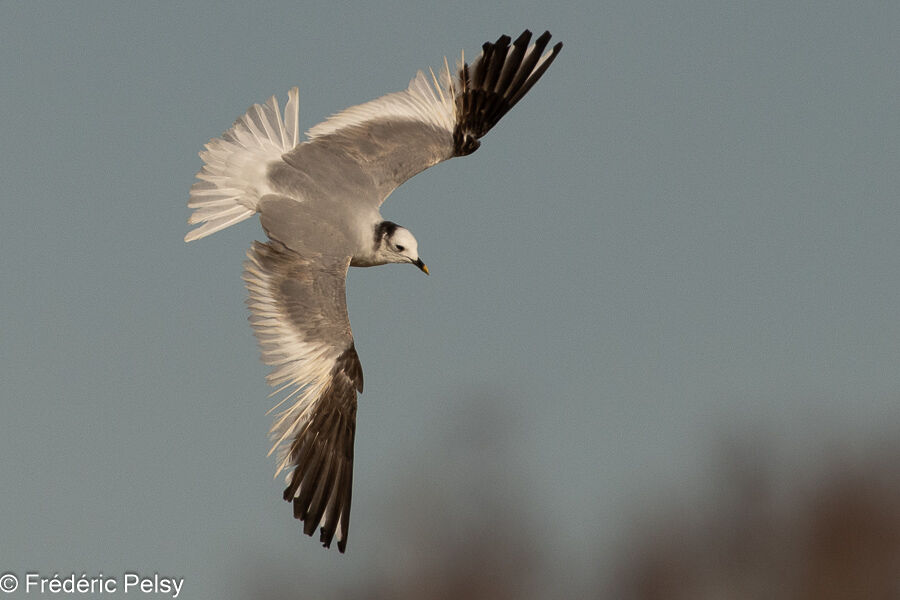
397	245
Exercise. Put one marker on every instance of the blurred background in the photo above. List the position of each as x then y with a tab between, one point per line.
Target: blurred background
657	356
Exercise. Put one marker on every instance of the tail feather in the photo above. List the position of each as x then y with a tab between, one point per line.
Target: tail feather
234	176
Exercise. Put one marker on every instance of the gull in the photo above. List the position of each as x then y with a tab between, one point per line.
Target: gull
318	202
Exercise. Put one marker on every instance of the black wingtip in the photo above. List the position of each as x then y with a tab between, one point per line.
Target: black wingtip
325	538
497	81
321	485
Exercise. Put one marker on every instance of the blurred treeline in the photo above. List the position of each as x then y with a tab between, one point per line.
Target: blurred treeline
756	531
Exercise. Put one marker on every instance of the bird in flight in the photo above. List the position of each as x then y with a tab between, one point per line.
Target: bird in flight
318	202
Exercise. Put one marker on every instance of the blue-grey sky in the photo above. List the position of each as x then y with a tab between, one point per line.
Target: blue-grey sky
689	229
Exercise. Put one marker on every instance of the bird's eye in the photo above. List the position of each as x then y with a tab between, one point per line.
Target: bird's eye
400	248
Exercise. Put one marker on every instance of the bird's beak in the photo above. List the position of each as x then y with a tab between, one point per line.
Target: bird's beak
422	266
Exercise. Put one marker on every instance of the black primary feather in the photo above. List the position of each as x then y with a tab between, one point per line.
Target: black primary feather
495	83
322	455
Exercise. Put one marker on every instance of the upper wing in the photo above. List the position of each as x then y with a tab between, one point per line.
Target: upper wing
366	151
299	315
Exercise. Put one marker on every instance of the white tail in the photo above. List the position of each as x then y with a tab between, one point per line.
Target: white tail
233	178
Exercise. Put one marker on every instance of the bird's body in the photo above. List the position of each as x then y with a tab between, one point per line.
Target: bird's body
318	202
